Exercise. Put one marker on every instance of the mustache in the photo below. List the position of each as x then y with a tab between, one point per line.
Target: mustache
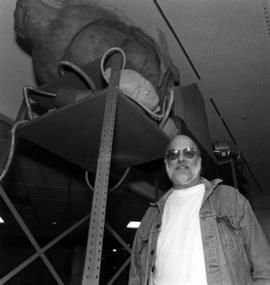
179	165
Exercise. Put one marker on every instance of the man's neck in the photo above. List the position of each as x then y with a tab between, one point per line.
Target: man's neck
187	186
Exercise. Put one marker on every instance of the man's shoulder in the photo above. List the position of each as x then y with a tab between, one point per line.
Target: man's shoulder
149	220
226	198
219	189
224	189
151	213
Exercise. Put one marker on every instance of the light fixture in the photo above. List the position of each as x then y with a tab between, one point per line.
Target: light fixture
222	150
1	220
133	224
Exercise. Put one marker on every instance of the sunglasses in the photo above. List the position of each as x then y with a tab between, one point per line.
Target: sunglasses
187	152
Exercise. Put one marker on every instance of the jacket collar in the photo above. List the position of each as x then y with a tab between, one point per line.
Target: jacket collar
209	187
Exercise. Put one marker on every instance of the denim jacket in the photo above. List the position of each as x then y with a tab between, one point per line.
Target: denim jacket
235	248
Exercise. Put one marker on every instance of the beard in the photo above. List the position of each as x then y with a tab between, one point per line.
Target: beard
184	177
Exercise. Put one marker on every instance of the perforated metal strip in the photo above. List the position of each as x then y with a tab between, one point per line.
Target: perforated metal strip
97	220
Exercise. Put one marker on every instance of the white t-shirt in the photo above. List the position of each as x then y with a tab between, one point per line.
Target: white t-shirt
180	257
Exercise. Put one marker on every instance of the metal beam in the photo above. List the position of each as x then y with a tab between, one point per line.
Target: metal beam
30	236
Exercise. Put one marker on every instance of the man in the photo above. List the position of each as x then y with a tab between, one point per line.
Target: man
199	232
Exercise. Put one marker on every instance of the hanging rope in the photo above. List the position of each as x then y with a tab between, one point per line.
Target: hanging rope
77	70
121	180
11	149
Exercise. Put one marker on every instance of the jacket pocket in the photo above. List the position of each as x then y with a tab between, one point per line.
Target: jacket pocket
143	244
230	238
229	232
145	259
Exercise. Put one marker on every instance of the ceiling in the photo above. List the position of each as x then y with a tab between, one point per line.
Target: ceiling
223	46
228	44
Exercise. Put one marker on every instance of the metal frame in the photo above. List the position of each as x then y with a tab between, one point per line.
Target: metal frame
97	219
97	216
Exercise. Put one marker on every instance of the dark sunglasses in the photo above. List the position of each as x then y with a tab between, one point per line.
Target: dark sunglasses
187	152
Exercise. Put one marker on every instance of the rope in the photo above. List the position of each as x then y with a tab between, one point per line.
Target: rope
152	114
110	51
26	90
112	188
169	108
79	71
11	150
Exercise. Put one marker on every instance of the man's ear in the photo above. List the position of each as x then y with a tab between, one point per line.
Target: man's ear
201	168
166	165
200	161
165	162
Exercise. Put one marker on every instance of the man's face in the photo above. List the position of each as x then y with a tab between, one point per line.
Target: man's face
184	170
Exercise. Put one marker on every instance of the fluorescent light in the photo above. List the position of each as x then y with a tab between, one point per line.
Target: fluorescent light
1	221
133	224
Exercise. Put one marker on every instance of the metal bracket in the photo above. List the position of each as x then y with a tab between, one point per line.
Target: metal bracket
97	220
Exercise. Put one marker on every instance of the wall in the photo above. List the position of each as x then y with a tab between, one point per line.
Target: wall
263	216
261	206
15	64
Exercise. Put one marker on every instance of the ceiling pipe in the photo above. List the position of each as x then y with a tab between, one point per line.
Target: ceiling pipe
177	38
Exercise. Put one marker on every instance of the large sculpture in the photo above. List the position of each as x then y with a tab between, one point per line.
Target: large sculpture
80	32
